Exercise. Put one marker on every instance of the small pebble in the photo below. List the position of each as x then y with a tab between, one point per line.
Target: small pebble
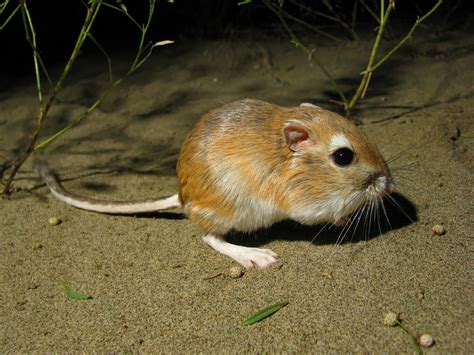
438	230
391	319
425	340
327	274
54	221
36	246
235	272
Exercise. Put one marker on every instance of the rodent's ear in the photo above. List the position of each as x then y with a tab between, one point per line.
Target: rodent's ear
307	104
297	136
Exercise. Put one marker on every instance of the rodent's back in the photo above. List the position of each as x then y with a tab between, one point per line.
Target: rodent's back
232	159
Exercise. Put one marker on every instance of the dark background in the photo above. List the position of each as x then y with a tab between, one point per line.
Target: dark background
58	23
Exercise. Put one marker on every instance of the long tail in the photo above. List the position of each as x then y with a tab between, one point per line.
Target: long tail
112	207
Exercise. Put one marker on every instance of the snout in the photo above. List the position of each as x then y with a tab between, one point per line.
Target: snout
382	182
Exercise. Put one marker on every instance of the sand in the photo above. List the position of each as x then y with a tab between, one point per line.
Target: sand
149	275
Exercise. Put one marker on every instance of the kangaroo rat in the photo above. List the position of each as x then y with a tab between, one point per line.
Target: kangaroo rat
249	164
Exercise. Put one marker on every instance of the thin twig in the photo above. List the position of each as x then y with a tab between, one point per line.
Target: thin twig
384	14
328	4
139	60
299	44
334	18
311	27
408	36
43	109
9	17
370	11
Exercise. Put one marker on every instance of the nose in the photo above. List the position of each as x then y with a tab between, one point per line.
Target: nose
381	181
389	186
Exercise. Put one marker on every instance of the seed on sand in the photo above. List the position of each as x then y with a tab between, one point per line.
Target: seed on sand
36	246
425	340
391	319
327	274
54	221
235	272
438	230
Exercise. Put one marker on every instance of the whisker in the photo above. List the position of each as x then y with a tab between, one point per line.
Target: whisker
347	226
396	204
358	217
401	153
382	204
366	220
355	219
332	224
402	177
320	231
377	213
404	167
341	236
372	217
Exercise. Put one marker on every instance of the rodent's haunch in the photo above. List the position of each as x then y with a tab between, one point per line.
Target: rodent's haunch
249	164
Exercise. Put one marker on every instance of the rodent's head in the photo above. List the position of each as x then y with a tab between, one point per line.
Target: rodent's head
333	168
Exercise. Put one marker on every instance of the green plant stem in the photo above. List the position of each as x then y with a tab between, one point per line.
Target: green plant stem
143	53
107	58
370	11
314	12
384	14
311	27
137	63
406	330
299	44
81	117
353	19
340	20
31	36
9	17
408	36
3	6
116	8
334	18
371	67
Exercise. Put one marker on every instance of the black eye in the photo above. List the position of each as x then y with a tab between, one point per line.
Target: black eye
343	156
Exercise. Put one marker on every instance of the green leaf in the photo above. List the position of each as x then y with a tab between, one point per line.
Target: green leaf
264	313
71	293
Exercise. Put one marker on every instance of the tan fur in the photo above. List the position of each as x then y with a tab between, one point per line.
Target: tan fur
240	147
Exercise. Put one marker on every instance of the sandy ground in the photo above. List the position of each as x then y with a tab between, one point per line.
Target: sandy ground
147	274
